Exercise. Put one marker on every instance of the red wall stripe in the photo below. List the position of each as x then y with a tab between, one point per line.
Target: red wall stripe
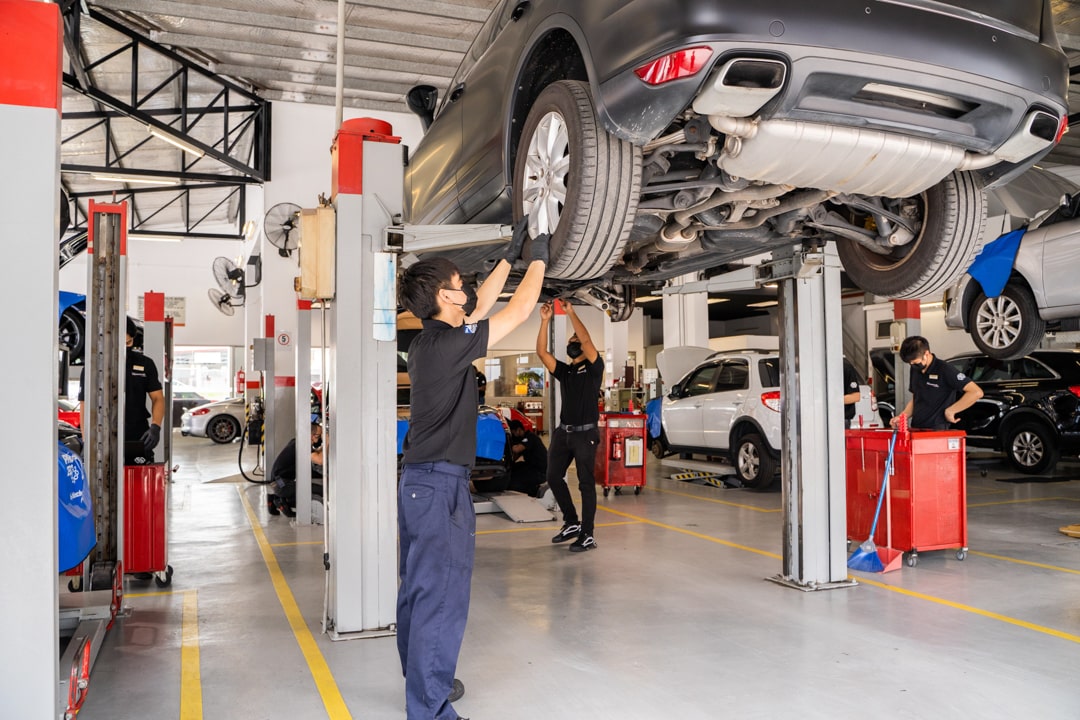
154	307
284	381
30	54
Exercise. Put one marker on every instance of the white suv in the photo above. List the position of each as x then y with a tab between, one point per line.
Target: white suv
729	405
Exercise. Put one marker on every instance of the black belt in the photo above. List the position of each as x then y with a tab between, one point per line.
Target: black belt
578	428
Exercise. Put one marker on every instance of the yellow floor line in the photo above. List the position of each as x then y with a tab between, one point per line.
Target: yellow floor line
1025	562
714	500
968	608
892	588
549	528
153	594
691	533
320	671
190	675
290	544
1025	500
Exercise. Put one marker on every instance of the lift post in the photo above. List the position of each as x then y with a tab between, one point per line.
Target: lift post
812	419
360	483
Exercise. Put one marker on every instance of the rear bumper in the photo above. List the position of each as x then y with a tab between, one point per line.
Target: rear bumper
986	79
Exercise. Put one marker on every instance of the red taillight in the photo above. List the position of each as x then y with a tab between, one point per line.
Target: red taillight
201	411
679	64
1062	128
1075	390
771	400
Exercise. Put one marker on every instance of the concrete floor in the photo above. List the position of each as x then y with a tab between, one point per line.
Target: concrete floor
670	618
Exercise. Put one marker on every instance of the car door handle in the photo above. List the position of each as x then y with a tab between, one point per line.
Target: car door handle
697	405
519	10
457	93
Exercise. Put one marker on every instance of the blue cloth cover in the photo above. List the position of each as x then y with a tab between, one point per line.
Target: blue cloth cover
993	266
652	417
76	515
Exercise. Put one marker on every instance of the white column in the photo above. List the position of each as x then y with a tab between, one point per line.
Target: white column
302	344
686	317
29	218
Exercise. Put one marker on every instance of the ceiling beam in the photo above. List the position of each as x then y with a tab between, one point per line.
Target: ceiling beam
314	98
429	66
428	7
247	19
326	79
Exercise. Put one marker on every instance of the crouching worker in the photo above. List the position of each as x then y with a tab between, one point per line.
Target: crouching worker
283	475
436	521
530	460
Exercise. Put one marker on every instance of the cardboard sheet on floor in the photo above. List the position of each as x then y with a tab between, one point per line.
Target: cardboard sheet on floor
517	506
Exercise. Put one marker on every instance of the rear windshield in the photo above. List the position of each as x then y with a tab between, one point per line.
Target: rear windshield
769	371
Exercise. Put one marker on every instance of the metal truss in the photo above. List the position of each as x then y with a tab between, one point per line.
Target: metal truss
239	112
181	197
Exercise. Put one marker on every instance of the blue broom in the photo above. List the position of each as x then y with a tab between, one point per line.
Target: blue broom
865	557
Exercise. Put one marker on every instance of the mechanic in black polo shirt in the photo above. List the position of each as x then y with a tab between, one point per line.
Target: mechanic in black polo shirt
934	385
576	437
529	468
140	382
851	392
436	520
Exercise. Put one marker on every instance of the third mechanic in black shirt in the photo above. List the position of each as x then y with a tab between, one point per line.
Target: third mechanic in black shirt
934	385
576	437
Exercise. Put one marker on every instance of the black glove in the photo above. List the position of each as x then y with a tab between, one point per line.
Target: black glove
539	248
151	438
517	241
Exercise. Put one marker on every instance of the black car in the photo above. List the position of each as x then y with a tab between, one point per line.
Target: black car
1030	407
654	140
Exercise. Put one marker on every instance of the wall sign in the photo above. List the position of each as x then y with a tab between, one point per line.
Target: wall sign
283	339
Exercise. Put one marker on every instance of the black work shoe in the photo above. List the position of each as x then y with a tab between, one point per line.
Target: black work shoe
457	691
583	543
569	532
272	508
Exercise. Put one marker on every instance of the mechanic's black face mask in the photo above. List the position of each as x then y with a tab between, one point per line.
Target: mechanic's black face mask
469	306
573	350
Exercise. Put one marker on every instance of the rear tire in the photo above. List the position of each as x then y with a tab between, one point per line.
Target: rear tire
73	332
1032	448
953	215
223	429
1008	326
754	462
575	181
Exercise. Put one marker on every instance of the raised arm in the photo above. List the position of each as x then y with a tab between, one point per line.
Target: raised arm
488	292
587	347
525	297
542	337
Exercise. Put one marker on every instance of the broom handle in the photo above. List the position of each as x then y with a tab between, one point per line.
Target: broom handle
884	484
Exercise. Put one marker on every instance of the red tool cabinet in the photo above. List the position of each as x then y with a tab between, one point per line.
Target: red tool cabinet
927	491
620	458
146	538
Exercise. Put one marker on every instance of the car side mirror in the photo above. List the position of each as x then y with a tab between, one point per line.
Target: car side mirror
422	100
674	394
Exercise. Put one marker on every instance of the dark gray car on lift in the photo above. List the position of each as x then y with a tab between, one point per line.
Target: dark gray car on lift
656	139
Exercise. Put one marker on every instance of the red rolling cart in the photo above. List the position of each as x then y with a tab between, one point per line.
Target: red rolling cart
620	458
146	537
927	491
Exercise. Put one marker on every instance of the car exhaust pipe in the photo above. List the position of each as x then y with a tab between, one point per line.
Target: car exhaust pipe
741	87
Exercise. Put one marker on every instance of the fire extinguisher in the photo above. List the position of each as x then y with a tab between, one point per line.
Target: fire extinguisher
616	448
241	382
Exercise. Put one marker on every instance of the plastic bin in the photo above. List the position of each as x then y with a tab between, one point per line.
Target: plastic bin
927	491
620	458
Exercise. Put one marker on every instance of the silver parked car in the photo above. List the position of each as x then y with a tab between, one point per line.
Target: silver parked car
1041	292
221	421
728	404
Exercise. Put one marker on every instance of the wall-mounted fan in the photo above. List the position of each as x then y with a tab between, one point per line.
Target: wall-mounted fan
229	277
222	301
282	227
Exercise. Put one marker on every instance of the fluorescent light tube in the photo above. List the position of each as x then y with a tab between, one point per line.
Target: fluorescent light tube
175	141
146	180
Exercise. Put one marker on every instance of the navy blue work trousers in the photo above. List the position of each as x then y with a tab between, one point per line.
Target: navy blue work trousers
437	542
